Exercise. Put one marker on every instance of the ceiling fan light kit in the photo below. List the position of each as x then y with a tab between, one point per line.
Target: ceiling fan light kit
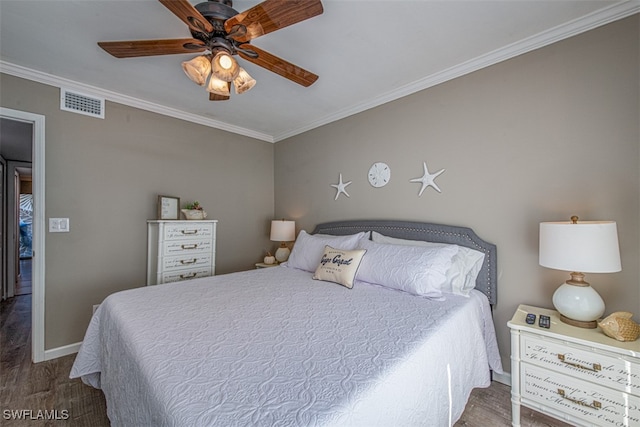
224	67
221	32
197	69
217	86
243	82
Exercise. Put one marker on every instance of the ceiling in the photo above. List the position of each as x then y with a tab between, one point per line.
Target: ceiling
365	52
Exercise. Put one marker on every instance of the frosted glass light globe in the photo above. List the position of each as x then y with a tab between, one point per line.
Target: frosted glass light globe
225	62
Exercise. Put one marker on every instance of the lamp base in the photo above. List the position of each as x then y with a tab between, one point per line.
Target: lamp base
282	254
578	303
592	324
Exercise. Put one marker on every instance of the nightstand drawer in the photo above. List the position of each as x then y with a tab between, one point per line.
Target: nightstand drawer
187	247
581	362
592	403
179	275
183	262
186	230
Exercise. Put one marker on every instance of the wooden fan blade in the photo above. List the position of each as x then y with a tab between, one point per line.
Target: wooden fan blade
189	15
134	48
216	97
271	15
279	66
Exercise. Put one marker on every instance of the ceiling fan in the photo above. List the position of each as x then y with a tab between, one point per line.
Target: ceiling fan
221	32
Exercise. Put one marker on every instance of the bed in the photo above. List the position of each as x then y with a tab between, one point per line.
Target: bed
276	347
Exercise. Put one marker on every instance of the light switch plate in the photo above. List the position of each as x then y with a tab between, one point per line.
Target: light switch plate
58	225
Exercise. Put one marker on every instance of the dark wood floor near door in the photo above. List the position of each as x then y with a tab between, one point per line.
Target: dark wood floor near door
46	385
23	286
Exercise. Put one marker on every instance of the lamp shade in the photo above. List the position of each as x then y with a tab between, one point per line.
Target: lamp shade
197	69
218	87
586	247
243	82
224	67
283	231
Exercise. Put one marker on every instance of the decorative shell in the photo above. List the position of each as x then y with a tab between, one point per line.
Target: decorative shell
620	326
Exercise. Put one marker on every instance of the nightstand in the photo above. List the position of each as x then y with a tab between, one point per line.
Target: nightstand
577	375
263	265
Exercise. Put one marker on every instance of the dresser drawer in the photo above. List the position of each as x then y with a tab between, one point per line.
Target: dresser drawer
186	230
187	247
178	275
605	369
594	404
180	250
182	262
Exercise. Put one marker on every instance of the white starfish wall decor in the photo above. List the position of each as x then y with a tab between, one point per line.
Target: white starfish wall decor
341	188
428	179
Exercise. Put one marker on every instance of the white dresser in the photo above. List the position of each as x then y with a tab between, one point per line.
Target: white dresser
580	376
180	250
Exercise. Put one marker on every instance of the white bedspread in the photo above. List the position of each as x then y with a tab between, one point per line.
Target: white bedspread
273	347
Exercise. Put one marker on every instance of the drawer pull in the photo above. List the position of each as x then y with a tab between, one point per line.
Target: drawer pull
188	276
189	231
194	246
187	262
596	366
594	405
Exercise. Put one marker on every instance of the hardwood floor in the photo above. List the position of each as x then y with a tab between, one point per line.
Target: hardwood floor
46	386
491	407
23	286
42	386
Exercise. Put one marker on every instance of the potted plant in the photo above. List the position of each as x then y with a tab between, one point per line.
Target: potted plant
194	211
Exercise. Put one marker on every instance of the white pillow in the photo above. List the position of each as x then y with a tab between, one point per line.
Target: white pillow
308	248
339	266
413	269
466	265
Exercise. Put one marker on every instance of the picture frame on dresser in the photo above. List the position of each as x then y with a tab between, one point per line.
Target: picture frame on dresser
168	207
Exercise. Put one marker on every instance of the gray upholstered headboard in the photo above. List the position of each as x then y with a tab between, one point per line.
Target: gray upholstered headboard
487	281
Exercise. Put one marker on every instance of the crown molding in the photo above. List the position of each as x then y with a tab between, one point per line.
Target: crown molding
588	22
60	82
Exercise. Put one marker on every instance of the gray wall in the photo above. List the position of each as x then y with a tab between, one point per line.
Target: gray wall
540	137
105	176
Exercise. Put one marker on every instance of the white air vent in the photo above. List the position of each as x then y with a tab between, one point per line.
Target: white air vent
81	104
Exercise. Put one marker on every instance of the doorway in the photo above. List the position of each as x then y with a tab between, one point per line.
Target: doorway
25	239
18	212
11	254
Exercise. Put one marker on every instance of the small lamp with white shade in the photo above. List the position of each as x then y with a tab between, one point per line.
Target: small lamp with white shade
283	231
579	247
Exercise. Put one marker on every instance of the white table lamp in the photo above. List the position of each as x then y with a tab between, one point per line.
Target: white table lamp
283	231
579	247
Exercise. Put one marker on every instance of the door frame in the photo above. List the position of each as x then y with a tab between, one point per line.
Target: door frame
3	229
39	230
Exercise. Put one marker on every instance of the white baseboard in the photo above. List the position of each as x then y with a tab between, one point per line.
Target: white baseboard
502	378
66	350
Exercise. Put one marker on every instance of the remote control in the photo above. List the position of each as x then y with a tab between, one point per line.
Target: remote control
545	321
531	318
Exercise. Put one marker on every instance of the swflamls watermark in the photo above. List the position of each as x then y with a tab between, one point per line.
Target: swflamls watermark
33	415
